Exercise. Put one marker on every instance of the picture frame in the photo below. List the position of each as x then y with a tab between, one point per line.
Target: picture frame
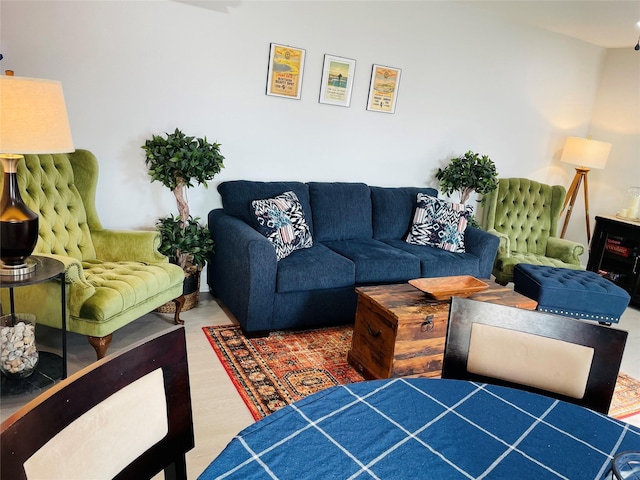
337	80
285	72
383	89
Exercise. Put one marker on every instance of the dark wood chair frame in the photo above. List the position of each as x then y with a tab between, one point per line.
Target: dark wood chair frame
608	344
22	434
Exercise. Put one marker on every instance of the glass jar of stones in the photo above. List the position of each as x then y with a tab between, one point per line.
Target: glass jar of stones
18	354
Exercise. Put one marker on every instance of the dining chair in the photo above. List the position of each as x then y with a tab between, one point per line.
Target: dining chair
126	416
560	357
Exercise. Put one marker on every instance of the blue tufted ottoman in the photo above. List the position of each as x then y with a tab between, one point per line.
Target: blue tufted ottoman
571	293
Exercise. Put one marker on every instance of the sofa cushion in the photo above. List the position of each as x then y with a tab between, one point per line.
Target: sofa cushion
314	268
237	196
341	211
439	224
435	262
393	208
121	286
377	262
281	219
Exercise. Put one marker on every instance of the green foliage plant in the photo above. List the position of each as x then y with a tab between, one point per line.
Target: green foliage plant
467	173
191	238
178	162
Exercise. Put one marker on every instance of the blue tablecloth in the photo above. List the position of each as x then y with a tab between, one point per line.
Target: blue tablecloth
426	428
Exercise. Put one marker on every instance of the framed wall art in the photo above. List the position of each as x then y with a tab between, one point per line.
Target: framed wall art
337	80
383	90
286	66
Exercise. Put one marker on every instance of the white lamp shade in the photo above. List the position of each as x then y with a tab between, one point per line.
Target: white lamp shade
585	152
33	117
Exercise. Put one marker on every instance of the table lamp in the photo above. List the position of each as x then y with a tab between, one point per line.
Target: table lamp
588	154
33	120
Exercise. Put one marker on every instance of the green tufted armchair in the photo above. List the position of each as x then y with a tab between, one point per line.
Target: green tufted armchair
112	276
524	215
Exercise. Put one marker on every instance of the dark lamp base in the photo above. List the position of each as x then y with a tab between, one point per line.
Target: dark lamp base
16	272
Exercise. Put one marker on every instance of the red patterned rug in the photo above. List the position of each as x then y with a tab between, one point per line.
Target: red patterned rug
273	371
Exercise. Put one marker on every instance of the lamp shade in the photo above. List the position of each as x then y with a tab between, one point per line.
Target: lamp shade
33	117
585	152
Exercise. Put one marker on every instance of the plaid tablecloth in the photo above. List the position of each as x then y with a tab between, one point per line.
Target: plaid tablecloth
426	428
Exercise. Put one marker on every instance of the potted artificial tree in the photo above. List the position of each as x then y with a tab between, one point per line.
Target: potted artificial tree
468	173
178	161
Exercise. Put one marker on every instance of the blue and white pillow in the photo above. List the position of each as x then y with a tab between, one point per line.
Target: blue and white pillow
439	224
281	220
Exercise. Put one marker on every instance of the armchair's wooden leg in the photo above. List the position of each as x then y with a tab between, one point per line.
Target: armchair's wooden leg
179	304
101	344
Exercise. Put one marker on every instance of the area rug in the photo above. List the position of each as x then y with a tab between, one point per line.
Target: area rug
271	372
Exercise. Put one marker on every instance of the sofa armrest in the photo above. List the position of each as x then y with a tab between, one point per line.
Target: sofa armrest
127	245
484	246
79	289
242	271
565	250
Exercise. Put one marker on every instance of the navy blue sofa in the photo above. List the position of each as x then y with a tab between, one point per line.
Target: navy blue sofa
358	239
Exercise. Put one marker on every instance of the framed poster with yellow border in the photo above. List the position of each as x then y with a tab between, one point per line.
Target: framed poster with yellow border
383	89
286	66
337	80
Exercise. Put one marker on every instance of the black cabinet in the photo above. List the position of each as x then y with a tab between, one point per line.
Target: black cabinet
615	253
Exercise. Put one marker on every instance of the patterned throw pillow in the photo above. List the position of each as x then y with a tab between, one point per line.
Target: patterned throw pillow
439	224
281	220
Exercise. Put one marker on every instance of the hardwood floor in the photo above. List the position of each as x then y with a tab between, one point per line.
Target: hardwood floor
218	411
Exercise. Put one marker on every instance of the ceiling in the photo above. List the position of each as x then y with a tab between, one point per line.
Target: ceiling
606	23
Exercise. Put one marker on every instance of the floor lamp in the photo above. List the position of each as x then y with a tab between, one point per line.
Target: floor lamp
588	154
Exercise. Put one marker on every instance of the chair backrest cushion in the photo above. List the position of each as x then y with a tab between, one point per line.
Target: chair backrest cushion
526	211
533	360
113	418
47	187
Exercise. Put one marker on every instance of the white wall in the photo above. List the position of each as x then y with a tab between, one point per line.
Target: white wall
470	81
615	119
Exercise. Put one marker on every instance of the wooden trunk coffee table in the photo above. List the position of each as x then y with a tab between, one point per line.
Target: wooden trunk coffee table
399	331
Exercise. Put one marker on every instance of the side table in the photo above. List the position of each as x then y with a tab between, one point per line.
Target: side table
48	369
615	253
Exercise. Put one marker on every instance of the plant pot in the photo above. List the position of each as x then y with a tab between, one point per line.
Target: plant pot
191	283
18	353
190	290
